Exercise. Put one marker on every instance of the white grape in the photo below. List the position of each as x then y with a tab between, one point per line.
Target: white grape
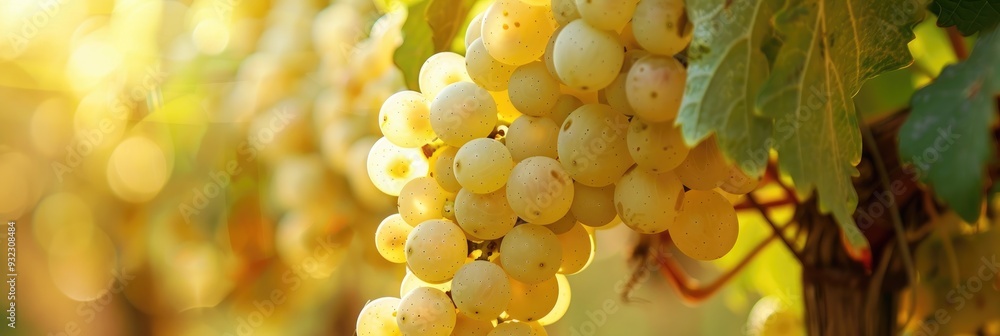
467	326
390	238
565	105
422	199
474	31
426	311
485	70
462	112
563	224
435	249
648	202
391	166
483	165
530	253
561	306
606	14
592	145
539	190
405	119
441	70
655	87
411	282
706	227
662	26
532	90
738	182
442	168
512	328
530	302
578	249
481	290
532	136
484	216
564	11
587	58
378	318
704	168
515	32
656	147
594	206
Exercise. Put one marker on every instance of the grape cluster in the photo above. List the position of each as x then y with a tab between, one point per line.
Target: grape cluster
557	121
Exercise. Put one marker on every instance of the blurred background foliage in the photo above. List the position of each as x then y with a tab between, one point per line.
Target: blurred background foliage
197	167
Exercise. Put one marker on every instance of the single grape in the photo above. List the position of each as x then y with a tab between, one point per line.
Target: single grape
515	32
426	312
391	166
484	216
593	206
422	199
506	111
467	326
512	328
442	168
462	112
485	70
411	282
562	302
539	190
564	11
615	93
704	168
532	136
390	238
474	31
483	165
563	224
530	253
441	70
739	183
706	227
606	14
656	147
530	302
565	105
648	202
532	90
435	249
587	58
481	290
655	87
662	26
578	249
592	145
378	318
405	119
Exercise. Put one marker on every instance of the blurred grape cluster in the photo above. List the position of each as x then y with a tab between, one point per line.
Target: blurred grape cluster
194	167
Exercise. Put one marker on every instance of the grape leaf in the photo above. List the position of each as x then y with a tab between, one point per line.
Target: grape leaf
829	49
726	69
445	18
947	138
969	16
417	44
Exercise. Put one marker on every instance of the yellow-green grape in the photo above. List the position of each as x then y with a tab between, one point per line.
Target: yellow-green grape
548	58
467	326
411	282
733	199
563	224
655	87
615	94
609	15
648	202
706	227
378	318
587	58
441	70
593	206
391	166
537	329
426	311
356	173
592	145
587	97
704	168
530	253
484	216
483	165
738	182
541	3
627	37
485	70
515	32
532	90
530	302
512	328
390	238
481	290
539	190
565	105
662	26
405	119
564	11
506	111
578	249
474	31
532	136
442	168
462	112
656	147
422	199
562	302
435	249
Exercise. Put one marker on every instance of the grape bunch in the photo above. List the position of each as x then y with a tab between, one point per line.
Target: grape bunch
557	121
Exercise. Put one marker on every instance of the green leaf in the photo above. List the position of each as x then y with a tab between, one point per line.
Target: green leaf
445	18
947	137
726	68
417	44
830	47
969	16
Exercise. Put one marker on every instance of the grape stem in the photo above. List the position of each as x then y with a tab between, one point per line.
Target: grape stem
688	288
957	43
777	231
